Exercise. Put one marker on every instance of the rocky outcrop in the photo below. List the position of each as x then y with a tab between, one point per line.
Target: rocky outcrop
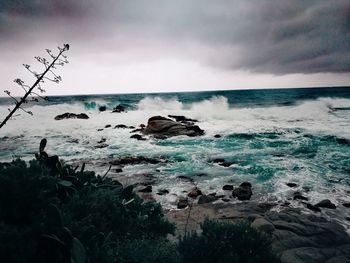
119	109
132	160
68	115
326	204
243	192
162	128
203	199
194	192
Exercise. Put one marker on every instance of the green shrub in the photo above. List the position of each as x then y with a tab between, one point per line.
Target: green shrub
226	242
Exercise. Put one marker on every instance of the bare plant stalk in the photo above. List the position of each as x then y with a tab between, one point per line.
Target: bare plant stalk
57	61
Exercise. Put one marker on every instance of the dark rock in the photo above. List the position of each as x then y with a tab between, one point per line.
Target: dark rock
147	189
107	126
182	203
68	115
243	192
119	109
102	145
263	225
131	127
227	187
291	184
217	136
347	218
194	192
225	200
99	129
120	126
102	140
132	160
162	127
182	119
346	205
118	170
313	208
137	137
102	108
326	204
185	178
163	192
299	196
203	199
222	162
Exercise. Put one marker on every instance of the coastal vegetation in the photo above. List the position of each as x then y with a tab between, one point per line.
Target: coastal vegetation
52	212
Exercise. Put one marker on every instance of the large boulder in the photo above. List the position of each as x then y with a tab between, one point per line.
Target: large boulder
243	192
162	127
68	115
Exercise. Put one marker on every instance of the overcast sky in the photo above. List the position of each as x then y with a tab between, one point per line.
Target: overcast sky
122	46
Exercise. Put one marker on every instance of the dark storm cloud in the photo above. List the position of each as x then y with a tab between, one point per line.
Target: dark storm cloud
269	36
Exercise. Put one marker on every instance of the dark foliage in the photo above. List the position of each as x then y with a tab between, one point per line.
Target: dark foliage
226	242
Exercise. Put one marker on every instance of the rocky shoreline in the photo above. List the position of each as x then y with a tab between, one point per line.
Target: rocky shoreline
296	236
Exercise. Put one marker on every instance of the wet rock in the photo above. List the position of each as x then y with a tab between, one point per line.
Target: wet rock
102	140
162	127
243	192
182	119
326	204
120	126
99	129
299	196
313	208
68	115
217	136
194	193
147	189
137	137
185	178
132	160
108	126
263	225
291	185
118	170
346	205
131	127
102	145
225	200
102	108
227	187
222	162
182	203
119	109
203	199
163	192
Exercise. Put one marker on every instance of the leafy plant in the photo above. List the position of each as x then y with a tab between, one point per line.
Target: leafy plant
226	242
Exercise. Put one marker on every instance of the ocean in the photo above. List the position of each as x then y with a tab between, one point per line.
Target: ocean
270	137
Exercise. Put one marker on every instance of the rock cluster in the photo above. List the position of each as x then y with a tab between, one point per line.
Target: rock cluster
162	128
68	115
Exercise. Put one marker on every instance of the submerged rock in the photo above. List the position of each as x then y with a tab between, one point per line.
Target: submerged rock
68	115
217	136
147	189
227	187
163	192
346	205
182	203
243	192
194	192
203	199
291	185
313	208
162	128
137	137
326	204
119	109
120	126
102	108
299	196
131	160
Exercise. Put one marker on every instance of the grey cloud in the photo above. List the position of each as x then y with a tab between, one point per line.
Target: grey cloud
267	36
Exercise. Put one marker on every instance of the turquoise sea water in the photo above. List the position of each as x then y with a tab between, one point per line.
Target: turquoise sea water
269	138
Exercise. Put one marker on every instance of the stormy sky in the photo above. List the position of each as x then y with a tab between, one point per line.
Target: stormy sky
122	46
